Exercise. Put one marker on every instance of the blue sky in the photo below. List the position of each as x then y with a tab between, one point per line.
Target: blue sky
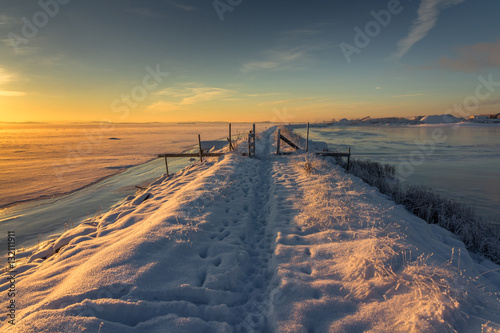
283	60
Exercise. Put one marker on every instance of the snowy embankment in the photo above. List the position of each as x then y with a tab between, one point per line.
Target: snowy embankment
241	245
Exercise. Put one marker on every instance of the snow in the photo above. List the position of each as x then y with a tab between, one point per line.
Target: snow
241	245
441	119
33	150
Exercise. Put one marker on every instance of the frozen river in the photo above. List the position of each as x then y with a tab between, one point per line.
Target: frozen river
459	161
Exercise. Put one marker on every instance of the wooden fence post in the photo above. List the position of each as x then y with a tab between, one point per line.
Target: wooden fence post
278	142
201	151
229	139
307	138
348	159
249	144
254	139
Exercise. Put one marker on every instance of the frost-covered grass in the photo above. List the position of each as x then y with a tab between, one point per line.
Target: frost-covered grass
327	207
479	235
371	255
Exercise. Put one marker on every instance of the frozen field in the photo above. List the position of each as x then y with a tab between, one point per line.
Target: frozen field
45	160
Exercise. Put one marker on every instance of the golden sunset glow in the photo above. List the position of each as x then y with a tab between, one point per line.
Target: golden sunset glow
172	63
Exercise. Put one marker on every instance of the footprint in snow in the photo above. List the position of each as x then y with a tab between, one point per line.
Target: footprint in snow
217	261
224	235
307	270
203	252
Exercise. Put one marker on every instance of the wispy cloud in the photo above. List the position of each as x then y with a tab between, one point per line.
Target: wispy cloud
5	93
8	77
4	19
19	48
408	95
164	106
284	58
204	94
181	6
144	12
288	55
289	101
258	65
5	76
187	94
428	13
267	94
474	58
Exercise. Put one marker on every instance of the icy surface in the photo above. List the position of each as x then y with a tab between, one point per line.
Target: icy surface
256	245
43	160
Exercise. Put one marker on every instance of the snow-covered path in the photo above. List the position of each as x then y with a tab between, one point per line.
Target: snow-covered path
256	245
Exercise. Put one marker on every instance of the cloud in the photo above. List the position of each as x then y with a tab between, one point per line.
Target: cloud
144	12
187	94
5	93
181	6
18	47
378	88
284	58
286	55
428	13
288	101
408	95
474	57
258	65
5	76
203	94
164	106
4	19
267	94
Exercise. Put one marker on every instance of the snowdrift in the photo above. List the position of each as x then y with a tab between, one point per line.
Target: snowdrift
441	119
256	245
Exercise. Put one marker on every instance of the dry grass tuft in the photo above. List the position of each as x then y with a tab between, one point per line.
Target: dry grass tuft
479	235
